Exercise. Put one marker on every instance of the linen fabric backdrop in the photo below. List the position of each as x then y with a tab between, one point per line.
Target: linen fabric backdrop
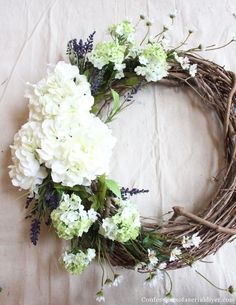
167	143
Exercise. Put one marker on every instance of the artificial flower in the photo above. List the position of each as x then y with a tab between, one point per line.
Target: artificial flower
100	296
75	263
27	171
174	255
124	225
153	62
123	31
70	219
193	241
152	257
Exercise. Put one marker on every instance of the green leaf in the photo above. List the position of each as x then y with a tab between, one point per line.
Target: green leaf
116	101
113	186
131	81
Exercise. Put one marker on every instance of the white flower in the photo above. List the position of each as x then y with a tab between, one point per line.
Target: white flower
70	219
165	42
76	263
192	241
91	254
193	70
162	266
153	64
117	280
109	228
76	149
123	31
183	61
152	257
187	242
92	214
196	240
107	52
64	91
27	171
173	13
174	255
185	64
100	296
124	225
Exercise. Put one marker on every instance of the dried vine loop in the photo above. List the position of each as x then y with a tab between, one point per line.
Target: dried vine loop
216	223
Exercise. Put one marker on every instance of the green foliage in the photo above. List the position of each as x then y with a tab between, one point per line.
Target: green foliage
113	186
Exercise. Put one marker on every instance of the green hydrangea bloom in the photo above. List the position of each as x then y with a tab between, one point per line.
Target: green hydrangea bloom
70	219
123	31
153	62
106	52
124	225
75	263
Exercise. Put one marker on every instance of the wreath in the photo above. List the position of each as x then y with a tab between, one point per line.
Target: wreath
61	156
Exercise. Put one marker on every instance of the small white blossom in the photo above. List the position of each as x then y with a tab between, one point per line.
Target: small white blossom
193	241
152	257
196	240
162	266
100	296
193	70
117	280
174	255
187	242
183	61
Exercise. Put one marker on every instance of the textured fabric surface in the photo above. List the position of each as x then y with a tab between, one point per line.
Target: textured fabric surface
168	143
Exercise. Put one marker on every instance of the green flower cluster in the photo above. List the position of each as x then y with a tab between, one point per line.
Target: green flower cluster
76	263
124	225
153	60
108	52
123	32
70	219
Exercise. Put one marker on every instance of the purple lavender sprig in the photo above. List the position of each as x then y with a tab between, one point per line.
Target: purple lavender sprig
126	192
96	80
34	231
129	97
77	50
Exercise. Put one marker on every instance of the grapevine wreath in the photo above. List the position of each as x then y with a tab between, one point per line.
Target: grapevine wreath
61	156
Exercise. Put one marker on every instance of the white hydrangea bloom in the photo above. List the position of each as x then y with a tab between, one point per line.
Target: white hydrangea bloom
76	149
64	91
27	171
71	141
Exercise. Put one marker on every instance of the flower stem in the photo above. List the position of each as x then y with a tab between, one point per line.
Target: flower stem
219	288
